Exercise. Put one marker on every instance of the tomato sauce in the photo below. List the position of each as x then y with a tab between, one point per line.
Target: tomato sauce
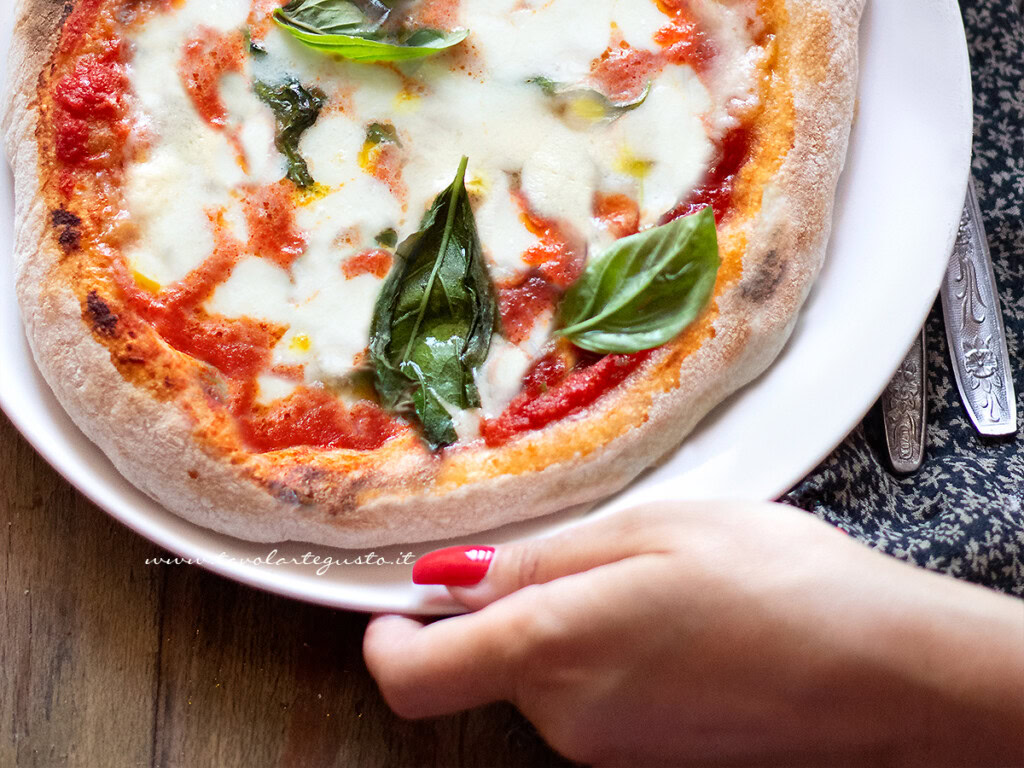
555	257
682	40
78	23
89	107
315	417
549	400
716	188
376	262
237	348
260	20
521	302
619	214
273	232
439	14
207	57
622	72
555	263
547	373
384	161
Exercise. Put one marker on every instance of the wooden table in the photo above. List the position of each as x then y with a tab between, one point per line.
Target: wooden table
107	661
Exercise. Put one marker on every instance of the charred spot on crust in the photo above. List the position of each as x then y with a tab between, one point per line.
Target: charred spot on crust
69	227
104	321
760	286
70	240
62	217
283	493
303	485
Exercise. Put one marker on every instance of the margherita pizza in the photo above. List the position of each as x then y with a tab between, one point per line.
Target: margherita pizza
358	272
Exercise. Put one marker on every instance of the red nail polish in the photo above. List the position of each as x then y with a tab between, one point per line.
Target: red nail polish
454	566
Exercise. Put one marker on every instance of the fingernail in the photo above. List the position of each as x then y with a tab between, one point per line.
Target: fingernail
454	566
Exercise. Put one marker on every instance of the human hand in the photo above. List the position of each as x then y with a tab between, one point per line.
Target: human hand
721	633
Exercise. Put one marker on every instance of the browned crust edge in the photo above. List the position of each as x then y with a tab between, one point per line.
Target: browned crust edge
151	442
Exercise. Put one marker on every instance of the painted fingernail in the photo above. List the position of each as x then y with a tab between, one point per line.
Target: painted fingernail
454	566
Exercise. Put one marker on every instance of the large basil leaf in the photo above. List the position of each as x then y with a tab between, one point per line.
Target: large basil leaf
587	104
295	109
324	17
434	318
355	32
644	290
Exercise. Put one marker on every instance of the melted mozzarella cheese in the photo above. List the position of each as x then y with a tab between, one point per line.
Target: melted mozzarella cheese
560	179
509	128
500	378
660	160
256	129
190	168
503	231
257	287
525	38
733	78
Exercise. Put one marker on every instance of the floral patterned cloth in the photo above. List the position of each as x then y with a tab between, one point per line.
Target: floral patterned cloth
963	512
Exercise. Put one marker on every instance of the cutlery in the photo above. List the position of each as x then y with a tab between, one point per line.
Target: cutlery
904	410
974	328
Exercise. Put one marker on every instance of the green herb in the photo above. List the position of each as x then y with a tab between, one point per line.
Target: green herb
387	239
644	290
254	48
434	318
323	17
382	133
295	109
357	32
575	101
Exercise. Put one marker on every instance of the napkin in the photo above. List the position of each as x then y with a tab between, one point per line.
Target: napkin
963	512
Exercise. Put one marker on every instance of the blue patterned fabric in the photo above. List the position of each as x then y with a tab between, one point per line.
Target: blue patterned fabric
963	512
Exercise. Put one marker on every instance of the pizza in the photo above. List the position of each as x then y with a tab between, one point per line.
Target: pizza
358	272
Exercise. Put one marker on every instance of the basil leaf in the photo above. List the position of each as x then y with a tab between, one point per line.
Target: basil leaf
355	32
370	48
388	238
255	49
434	318
644	290
586	103
295	109
382	133
324	17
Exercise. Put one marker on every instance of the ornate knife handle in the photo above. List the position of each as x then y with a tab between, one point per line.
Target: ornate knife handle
904	410
974	328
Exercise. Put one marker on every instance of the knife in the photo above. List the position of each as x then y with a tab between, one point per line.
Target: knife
904	410
974	328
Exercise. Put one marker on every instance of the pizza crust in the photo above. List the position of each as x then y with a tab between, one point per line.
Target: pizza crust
410	496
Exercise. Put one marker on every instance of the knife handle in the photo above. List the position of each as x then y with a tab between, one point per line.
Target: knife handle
974	328
904	410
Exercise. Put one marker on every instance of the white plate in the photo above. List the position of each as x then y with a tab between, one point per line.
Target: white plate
898	205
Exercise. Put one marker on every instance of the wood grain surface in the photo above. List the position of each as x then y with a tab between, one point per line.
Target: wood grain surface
107	661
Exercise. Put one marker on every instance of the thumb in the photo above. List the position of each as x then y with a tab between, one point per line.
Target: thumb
479	575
